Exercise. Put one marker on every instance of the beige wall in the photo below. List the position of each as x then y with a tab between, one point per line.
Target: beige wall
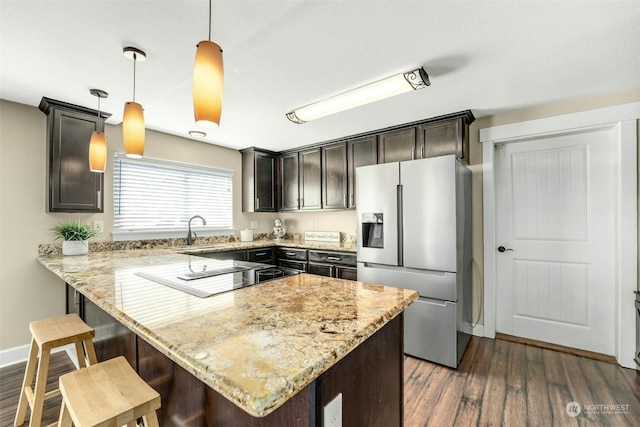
29	292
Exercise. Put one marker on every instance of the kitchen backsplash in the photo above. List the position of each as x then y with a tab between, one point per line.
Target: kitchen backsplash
56	248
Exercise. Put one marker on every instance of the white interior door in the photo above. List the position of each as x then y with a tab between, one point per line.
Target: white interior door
555	218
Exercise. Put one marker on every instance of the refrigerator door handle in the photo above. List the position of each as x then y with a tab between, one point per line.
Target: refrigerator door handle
399	224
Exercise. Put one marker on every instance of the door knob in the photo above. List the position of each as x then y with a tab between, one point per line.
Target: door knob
503	249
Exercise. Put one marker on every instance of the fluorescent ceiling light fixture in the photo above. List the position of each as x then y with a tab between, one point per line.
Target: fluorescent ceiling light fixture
385	88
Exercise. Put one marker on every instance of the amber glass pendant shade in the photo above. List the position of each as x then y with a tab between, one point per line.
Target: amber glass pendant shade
208	83
133	131
98	152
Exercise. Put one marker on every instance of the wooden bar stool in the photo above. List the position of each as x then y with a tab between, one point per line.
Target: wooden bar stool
107	394
46	335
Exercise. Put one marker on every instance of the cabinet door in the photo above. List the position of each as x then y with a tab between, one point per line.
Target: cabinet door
72	186
289	186
298	265
443	138
310	179
321	269
347	273
334	176
265	180
264	255
397	145
360	152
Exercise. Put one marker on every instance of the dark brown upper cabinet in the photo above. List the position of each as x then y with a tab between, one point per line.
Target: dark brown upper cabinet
310	179
289	183
444	137
360	152
259	180
323	175
334	176
72	187
397	145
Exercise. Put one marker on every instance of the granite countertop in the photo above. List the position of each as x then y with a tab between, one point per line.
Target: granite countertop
257	346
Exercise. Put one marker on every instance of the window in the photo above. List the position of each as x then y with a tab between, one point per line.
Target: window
151	195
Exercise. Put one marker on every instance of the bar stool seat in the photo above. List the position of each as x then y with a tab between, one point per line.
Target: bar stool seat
107	394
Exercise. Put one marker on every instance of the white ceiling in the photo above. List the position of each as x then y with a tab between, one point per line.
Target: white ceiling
487	56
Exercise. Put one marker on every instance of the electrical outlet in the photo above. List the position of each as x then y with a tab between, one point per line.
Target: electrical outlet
332	412
99	226
311	224
254	225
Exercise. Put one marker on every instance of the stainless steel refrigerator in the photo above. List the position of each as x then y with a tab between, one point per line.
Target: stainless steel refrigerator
414	232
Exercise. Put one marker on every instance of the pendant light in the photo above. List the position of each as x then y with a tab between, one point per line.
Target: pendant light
208	82
133	131
98	142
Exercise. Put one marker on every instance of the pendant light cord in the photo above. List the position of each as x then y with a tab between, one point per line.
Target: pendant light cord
209	20
135	57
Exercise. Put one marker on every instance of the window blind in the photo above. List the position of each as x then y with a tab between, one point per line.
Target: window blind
157	194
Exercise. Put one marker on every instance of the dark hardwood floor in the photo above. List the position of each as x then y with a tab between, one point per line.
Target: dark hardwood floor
498	383
501	383
11	380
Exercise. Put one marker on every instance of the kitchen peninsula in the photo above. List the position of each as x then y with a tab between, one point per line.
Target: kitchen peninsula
271	354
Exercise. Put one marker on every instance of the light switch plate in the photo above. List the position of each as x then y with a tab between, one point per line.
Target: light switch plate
332	412
311	224
254	225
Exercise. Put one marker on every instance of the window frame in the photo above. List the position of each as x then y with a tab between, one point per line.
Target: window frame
170	232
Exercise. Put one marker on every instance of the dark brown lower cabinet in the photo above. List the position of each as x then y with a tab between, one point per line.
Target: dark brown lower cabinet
333	264
370	379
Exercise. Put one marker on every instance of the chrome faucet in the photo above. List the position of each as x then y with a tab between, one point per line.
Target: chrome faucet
190	238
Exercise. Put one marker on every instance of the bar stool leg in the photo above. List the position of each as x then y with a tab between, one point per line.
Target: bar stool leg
65	417
90	350
151	419
41	385
21	413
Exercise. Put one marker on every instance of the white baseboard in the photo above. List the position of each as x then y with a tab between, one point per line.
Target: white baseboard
478	331
14	355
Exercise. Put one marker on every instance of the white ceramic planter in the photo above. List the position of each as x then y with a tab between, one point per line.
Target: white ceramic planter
75	247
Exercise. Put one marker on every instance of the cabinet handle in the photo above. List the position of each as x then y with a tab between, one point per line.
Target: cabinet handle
290	253
345	200
421	151
257	203
261	254
333	258
99	199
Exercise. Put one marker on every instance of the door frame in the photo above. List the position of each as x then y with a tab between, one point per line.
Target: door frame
623	120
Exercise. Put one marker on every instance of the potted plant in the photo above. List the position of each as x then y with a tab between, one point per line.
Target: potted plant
75	236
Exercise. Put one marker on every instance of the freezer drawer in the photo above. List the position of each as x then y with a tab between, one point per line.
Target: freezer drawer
431	333
430	284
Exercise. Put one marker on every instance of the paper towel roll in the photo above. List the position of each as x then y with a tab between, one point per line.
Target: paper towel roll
246	235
